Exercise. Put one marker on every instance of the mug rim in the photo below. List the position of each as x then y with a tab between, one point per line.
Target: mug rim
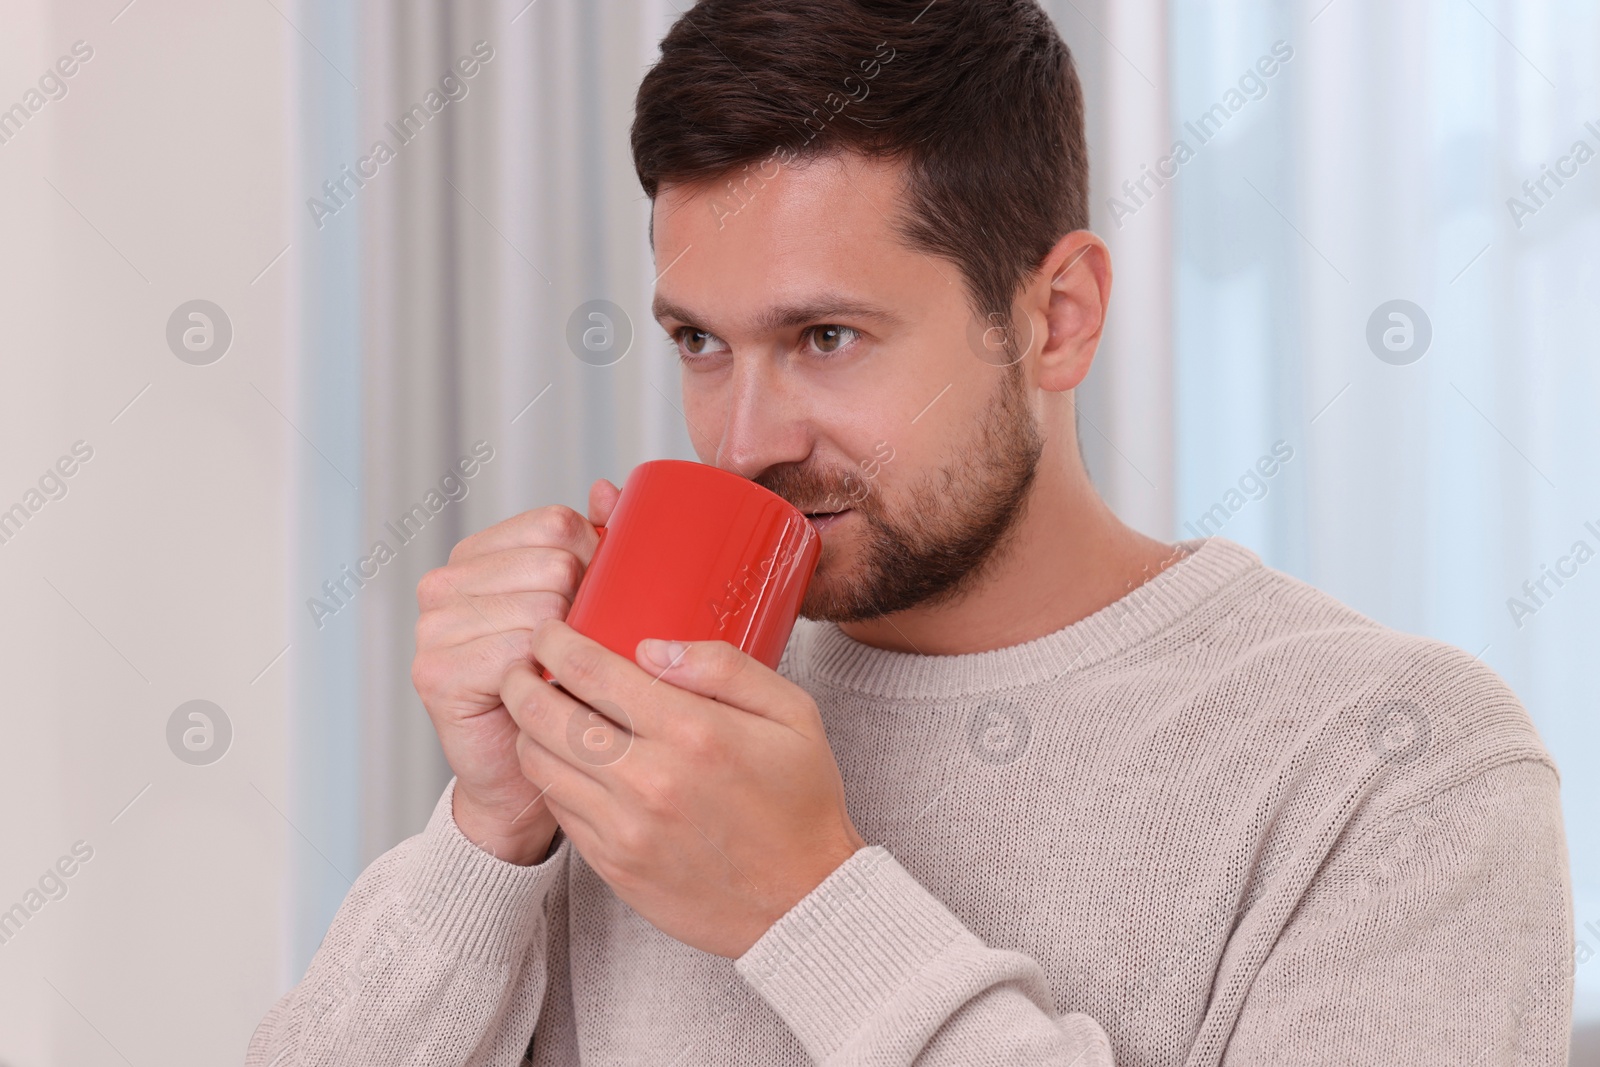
718	472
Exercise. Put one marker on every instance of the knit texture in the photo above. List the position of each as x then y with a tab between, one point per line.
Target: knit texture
1225	820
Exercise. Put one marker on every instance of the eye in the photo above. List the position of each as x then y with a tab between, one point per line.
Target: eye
696	342
830	338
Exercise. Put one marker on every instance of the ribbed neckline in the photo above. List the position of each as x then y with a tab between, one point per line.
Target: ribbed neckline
835	659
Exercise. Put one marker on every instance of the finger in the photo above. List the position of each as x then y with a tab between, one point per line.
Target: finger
511	570
602	501
557	723
476	667
481	616
580	830
722	672
603	680
555	526
576	800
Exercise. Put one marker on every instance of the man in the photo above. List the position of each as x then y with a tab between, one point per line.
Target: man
1028	787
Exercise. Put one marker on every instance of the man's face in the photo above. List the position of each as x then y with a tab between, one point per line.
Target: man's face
826	360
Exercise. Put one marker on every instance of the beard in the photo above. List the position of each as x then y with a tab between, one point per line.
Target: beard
934	547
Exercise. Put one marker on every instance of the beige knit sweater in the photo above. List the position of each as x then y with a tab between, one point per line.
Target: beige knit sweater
1226	820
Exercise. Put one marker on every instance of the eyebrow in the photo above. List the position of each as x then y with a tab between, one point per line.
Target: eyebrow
825	308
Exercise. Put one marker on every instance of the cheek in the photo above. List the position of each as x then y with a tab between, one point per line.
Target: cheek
904	459
705	413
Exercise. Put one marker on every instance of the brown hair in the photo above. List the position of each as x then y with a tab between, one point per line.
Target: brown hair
978	98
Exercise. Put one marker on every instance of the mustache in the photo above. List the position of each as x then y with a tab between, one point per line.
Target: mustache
817	491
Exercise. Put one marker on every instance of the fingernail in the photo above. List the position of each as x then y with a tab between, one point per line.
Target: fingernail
663	653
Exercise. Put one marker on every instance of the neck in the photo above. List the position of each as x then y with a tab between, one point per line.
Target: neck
1067	557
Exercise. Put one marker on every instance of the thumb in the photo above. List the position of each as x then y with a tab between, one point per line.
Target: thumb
602	501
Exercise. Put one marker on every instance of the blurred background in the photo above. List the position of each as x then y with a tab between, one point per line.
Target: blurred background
242	345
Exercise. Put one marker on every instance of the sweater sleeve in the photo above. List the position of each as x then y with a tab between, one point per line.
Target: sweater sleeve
435	958
872	968
1442	936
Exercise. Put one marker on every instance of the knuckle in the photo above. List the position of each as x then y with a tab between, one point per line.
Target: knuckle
538	612
632	838
584	664
521	647
725	660
567	572
537	628
699	742
432	588
659	797
461	549
516	692
552	571
425	676
430	629
554	605
560	525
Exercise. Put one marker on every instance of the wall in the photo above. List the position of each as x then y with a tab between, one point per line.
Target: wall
157	579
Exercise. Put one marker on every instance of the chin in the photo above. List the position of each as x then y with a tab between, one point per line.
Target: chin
821	601
828	598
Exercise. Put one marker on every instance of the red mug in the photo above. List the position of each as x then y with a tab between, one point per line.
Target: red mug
695	553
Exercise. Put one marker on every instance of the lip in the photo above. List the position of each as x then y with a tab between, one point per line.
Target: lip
823	522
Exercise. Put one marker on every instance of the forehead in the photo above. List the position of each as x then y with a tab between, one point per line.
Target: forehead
780	235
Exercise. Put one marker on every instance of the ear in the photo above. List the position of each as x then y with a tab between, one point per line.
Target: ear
1068	298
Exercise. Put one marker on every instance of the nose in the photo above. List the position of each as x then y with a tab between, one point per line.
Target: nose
764	424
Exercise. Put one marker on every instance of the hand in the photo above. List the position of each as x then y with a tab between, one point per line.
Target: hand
477	618
717	805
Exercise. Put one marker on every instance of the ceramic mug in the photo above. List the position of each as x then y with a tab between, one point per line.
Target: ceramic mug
695	553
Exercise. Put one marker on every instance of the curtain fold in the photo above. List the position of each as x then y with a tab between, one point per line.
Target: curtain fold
502	217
